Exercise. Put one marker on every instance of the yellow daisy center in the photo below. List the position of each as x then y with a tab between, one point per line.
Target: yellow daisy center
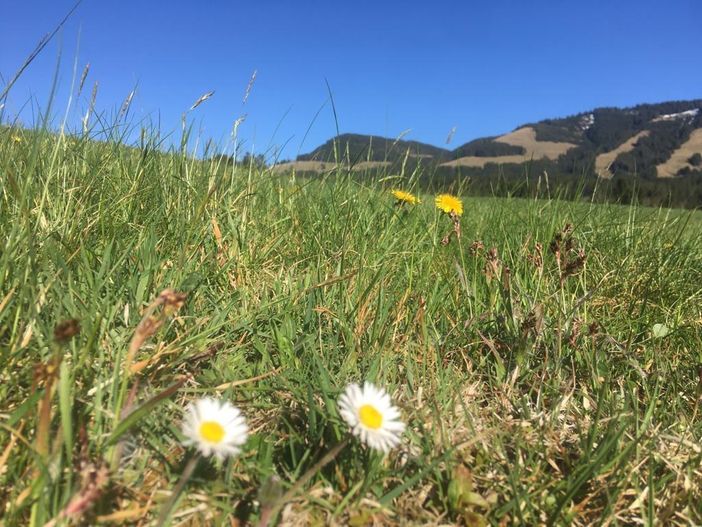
370	417
212	431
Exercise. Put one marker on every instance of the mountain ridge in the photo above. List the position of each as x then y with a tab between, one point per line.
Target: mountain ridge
564	145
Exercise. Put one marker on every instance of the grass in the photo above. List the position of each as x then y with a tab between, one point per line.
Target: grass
522	354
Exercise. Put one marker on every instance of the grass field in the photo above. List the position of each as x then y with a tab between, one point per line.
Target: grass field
546	362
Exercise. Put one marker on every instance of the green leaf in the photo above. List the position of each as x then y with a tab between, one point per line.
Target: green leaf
23	408
659	331
191	282
65	408
394	493
131	419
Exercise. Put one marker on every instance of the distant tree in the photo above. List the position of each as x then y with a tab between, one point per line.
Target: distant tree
487	147
223	158
257	161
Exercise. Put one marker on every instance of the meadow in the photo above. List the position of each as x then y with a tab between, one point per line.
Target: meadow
545	355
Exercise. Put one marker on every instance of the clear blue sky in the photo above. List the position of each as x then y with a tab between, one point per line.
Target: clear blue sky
483	67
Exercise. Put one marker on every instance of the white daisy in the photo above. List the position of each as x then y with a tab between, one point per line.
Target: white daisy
215	427
371	415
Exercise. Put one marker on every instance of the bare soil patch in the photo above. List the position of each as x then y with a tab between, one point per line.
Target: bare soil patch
304	166
323	166
526	138
679	159
603	161
474	161
365	165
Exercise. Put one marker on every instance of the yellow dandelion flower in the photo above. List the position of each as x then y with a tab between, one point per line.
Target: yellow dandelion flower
448	203
16	138
405	197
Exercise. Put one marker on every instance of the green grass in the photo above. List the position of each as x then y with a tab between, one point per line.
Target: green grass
532	395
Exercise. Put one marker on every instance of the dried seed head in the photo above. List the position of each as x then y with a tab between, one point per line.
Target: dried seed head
537	257
575	332
561	241
66	330
569	257
456	224
493	265
534	322
575	265
505	278
172	301
476	247
593	329
94	479
555	245
169	301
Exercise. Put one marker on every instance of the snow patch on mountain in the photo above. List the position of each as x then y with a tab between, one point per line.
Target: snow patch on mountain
688	114
587	121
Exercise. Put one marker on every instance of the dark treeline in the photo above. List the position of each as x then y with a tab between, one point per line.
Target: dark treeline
534	181
680	192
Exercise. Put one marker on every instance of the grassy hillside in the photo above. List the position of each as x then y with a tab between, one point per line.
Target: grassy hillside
546	361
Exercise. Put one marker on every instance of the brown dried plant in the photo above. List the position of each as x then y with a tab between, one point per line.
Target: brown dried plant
569	258
456	229
170	302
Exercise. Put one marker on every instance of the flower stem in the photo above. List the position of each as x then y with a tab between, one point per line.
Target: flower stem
184	477
269	515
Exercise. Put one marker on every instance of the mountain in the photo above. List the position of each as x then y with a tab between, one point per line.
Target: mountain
651	141
648	140
359	148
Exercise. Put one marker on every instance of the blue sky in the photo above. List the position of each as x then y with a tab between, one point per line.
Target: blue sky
482	67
